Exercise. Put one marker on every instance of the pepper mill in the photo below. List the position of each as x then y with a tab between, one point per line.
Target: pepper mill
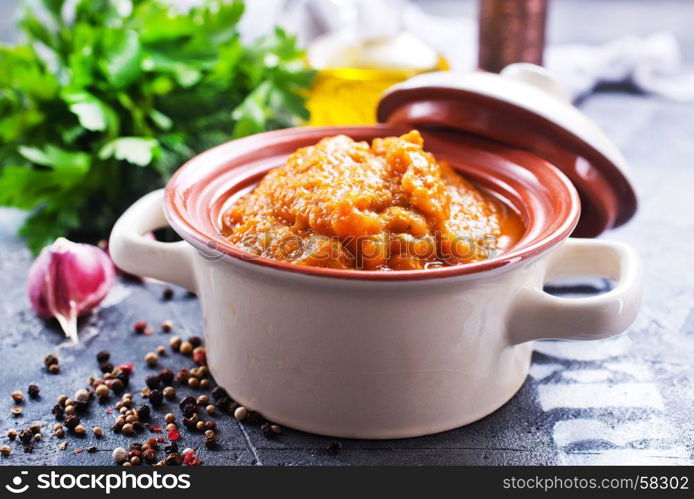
511	31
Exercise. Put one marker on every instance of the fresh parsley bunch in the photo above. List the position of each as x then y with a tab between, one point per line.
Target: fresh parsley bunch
107	97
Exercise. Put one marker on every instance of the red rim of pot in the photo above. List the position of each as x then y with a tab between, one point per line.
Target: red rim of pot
544	196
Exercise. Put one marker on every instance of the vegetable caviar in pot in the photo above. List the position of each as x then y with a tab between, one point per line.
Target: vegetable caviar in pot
386	206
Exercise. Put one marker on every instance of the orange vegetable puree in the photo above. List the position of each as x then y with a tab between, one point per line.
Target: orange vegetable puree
386	206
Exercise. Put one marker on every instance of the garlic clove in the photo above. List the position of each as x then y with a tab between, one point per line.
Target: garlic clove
67	280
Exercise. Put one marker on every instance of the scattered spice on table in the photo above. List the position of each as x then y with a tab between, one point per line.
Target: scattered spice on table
241	413
132	419
71	422
33	391
102	391
156	397
173	434
190	458
175	343
51	359
166	376
334	447
119	454
211	439
153	381
125	368
186	348
106	367
270	430
151	359
200	356
25	436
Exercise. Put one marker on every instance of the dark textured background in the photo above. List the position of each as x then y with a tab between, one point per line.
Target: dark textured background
623	400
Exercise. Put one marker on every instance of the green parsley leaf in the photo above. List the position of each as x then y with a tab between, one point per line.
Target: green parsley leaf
101	85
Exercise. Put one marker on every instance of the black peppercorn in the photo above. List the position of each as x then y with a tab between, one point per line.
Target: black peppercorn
153	381
91	450
196	341
26	436
267	430
106	367
117	386
219	393
156	397
210	440
172	448
222	403
167	293
71	422
138	427
173	459
103	356
166	376
50	359
186	401
58	411
143	411
33	391
254	418
334	447
124	377
189	410
81	406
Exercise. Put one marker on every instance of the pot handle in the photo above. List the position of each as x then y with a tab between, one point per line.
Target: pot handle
140	255
536	314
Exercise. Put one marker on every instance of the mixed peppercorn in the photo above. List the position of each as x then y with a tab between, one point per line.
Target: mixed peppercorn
132	418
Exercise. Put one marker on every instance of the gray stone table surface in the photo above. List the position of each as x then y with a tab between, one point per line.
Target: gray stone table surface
622	400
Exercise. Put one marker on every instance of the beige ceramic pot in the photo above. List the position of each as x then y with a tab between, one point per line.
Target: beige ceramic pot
378	354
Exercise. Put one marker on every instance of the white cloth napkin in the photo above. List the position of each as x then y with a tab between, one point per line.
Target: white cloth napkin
652	64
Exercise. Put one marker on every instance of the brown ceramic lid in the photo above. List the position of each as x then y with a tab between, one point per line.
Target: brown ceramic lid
525	108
